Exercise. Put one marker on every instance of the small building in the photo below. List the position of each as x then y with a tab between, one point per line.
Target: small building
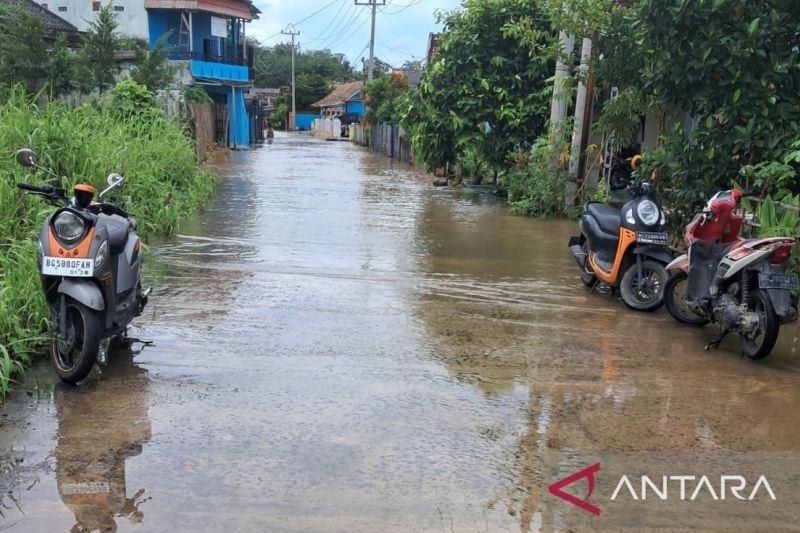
344	102
52	24
131	15
208	38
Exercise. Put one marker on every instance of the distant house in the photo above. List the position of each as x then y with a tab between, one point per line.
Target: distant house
344	102
54	25
131	16
207	39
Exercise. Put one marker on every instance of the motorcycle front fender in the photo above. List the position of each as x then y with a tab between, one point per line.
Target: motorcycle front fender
83	291
652	251
679	263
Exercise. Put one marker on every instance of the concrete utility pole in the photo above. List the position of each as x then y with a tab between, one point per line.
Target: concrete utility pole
290	30
374	4
582	122
558	107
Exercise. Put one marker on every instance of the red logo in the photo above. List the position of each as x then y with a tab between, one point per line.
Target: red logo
588	473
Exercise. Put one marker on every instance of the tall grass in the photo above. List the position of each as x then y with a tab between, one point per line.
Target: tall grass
85	144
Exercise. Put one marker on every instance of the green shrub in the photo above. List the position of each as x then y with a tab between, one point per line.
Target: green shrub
539	188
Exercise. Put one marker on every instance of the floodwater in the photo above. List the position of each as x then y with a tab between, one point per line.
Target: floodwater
339	346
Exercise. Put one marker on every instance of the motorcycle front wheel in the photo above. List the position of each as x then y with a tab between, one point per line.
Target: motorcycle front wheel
675	301
74	357
647	293
760	344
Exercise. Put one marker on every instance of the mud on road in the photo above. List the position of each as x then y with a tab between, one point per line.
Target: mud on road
338	346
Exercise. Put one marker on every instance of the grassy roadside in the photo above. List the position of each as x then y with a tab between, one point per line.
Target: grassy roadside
163	183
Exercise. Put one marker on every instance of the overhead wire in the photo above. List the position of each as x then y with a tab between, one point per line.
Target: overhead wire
336	39
331	24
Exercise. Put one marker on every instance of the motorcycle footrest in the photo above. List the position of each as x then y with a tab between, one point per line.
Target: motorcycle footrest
578	254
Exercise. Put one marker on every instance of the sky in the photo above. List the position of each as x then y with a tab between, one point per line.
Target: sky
401	33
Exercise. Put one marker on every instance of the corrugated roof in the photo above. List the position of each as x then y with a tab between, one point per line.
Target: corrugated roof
342	92
232	8
51	21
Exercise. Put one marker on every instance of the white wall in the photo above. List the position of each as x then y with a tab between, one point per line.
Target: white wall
132	19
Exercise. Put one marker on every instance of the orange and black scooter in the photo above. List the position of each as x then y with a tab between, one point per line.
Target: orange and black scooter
90	264
625	248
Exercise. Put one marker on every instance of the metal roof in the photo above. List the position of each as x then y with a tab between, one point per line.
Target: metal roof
51	21
232	8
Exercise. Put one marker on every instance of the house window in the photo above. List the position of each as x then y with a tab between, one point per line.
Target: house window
44	6
61	9
119	8
95	6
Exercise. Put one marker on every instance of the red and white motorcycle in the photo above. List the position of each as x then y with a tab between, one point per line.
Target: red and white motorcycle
739	284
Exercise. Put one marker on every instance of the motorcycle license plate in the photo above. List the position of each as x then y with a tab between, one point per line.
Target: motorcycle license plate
70	268
652	238
777	281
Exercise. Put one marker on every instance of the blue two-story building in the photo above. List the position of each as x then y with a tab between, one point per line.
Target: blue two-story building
209	37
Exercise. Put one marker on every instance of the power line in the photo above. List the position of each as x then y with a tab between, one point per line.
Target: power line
402	8
331	25
335	39
315	13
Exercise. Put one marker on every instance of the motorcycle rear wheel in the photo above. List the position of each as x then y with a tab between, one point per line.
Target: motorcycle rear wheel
763	342
74	358
674	301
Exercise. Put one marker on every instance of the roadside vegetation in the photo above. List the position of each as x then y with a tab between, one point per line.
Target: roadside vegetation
26	58
124	133
725	71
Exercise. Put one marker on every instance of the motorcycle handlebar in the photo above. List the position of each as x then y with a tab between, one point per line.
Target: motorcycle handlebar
111	209
29	187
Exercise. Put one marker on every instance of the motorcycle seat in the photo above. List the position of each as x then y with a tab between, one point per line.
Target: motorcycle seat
608	218
118	229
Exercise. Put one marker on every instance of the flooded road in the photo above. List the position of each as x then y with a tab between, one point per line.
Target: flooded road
338	346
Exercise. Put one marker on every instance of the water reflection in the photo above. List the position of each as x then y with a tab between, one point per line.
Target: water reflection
99	429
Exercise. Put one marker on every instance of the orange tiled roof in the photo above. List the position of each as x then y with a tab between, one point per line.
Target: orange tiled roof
342	92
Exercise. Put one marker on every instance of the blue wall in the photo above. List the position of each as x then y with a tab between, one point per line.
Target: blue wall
356	108
304	120
219	71
161	21
238	130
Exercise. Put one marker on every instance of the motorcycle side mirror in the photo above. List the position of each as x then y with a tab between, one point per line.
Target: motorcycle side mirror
114	181
26	157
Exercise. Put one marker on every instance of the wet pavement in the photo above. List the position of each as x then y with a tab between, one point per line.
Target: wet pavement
340	346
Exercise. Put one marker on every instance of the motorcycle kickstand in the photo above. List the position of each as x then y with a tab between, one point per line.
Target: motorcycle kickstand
715	343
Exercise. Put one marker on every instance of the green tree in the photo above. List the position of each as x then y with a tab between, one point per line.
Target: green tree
310	88
60	67
98	53
22	49
280	113
385	96
153	68
273	66
731	65
487	89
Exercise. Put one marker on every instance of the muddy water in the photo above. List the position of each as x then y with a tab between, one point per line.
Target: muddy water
339	346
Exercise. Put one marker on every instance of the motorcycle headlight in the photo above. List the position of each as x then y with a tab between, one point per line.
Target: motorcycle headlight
102	255
629	217
648	212
39	254
68	226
